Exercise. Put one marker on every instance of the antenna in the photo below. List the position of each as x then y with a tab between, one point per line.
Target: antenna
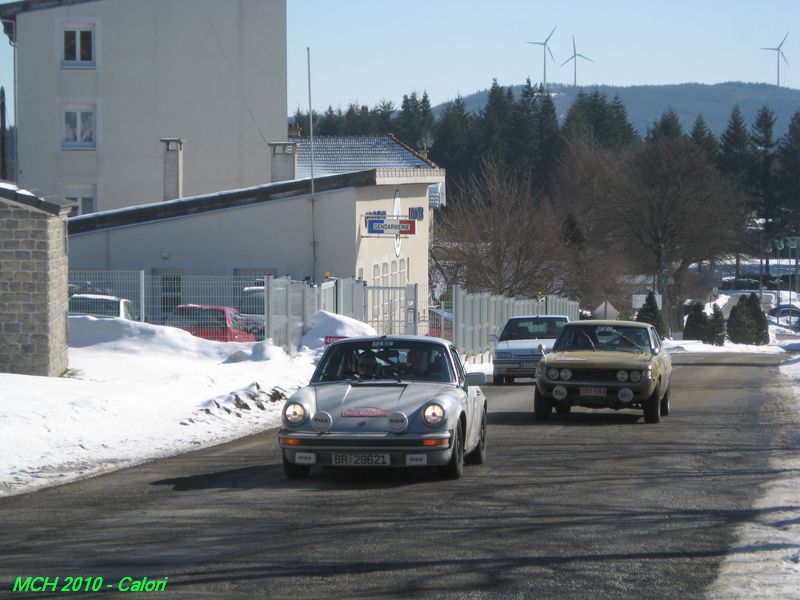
778	54
545	50
575	56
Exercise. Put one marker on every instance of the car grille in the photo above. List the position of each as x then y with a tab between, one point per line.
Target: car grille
594	375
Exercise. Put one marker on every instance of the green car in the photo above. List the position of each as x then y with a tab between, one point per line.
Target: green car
605	364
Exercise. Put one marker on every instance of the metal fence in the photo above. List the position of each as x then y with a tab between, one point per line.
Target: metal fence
280	308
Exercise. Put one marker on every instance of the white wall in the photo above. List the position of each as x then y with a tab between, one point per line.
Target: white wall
270	235
212	72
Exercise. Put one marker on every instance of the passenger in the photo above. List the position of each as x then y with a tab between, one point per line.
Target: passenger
367	366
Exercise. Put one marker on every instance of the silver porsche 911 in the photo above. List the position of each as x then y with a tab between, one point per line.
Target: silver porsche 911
390	401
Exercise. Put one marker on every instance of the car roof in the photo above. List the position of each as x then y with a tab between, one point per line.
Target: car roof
399	338
609	322
97	297
539	317
206	306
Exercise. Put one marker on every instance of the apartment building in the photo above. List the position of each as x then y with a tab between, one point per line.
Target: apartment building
106	89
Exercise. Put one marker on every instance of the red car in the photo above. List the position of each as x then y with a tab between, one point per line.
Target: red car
218	323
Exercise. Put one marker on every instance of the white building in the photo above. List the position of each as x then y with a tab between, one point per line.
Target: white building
370	184
101	83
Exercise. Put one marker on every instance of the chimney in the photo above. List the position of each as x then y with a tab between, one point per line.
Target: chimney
283	161
173	168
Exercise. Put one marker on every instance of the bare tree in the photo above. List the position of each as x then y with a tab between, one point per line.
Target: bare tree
674	210
497	236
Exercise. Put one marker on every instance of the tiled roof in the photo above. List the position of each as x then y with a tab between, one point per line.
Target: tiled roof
344	154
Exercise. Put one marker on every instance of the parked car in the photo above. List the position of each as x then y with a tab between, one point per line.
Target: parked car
389	401
252	309
218	323
98	305
518	352
785	312
605	364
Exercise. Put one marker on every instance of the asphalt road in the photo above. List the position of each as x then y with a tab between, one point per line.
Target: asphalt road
590	505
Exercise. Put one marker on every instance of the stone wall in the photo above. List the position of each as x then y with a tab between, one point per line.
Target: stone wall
33	289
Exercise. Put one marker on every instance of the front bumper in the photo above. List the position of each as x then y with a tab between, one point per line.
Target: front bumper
402	450
517	367
596	394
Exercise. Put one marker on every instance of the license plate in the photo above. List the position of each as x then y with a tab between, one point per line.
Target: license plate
593	391
360	460
305	458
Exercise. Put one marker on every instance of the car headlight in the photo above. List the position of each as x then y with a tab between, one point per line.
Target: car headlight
636	376
622	376
552	374
294	413
565	374
434	414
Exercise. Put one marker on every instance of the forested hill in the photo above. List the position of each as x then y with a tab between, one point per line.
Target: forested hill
646	103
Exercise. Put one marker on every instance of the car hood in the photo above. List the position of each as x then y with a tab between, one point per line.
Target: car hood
598	360
526	346
366	406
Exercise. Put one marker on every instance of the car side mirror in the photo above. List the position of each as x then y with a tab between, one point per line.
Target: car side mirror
476	379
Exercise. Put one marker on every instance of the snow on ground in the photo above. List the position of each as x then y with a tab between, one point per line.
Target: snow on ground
137	392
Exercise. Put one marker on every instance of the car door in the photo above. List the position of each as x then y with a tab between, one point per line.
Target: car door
473	401
662	358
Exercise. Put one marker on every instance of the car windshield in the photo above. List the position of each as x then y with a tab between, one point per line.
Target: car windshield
398	360
603	338
252	302
98	307
533	328
198	316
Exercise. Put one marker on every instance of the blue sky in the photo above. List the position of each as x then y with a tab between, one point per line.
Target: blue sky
366	51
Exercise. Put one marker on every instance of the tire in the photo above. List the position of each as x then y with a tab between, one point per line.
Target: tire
542	407
455	468
665	407
652	406
293	471
478	455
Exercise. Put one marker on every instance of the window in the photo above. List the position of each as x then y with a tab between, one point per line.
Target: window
79	127
78	46
82	198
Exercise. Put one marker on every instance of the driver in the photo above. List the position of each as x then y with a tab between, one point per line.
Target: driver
367	365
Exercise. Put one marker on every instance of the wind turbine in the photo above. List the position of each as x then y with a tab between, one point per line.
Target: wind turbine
545	50
575	56
779	53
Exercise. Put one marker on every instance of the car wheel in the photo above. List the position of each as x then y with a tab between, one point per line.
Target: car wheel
478	455
542	407
293	471
455	467
652	408
665	408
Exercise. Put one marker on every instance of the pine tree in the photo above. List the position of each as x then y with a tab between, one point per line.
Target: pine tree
705	140
762	178
788	180
668	125
715	330
453	141
760	324
741	329
622	131
649	313
735	158
696	323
